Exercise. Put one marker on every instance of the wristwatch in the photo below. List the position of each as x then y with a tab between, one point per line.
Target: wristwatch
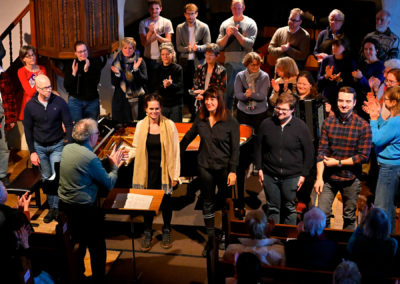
340	163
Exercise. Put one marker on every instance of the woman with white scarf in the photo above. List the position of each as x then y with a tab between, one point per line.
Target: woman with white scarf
251	90
157	163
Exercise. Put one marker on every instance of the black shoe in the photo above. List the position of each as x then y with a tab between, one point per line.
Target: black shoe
166	239
146	243
50	215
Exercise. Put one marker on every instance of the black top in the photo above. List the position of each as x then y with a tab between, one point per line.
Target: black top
172	95
286	152
219	145
153	146
84	85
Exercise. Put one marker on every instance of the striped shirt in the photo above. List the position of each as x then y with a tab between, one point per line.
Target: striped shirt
343	139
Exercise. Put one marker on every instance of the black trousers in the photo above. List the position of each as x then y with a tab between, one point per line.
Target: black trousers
86	224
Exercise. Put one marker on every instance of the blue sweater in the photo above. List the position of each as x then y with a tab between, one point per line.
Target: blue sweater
386	138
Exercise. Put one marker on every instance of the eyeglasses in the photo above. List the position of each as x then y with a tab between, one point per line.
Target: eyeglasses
30	55
48	88
81	51
284	110
390	82
294	20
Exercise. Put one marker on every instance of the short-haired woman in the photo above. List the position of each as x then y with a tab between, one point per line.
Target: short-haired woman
28	74
129	77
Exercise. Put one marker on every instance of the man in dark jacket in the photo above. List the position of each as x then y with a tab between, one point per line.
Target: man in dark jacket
284	157
81	80
43	118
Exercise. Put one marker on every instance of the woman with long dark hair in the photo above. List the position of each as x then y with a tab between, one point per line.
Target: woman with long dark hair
218	153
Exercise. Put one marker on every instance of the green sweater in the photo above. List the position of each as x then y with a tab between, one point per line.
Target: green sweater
81	175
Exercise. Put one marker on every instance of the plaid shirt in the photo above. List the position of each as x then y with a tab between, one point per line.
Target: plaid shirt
342	139
8	96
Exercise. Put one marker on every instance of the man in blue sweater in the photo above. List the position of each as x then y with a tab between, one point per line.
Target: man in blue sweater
43	118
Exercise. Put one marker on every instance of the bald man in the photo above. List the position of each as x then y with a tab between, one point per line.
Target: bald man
43	118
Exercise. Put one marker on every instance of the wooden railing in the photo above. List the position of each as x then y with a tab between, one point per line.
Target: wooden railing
18	22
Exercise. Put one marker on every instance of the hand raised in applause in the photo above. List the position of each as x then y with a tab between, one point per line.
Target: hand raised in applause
167	82
137	63
87	65
117	157
74	67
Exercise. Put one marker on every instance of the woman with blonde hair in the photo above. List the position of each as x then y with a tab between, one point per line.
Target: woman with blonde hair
28	74
286	69
129	76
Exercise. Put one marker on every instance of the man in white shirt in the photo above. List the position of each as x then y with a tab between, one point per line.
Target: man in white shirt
236	37
192	37
153	31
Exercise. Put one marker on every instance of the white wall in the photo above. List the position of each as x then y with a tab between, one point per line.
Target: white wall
9	10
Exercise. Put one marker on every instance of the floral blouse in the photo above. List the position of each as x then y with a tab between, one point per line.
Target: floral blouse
218	77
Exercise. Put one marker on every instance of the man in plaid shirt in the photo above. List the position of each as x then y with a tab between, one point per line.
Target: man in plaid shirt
8	118
345	144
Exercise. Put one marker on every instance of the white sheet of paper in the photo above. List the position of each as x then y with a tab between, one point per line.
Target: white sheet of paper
138	201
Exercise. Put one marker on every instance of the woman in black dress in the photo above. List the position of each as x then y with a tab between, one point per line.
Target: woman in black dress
157	163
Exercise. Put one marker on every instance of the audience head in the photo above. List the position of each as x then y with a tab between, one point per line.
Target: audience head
295	19
284	107
314	222
213	102
346	100
237	8
85	130
252	61
306	84
390	64
154	8
81	51
376	225
3	193
190	13
256	223
336	20
153	106
212	51
286	67
340	46
43	87
128	46
27	55
167	53
347	273
371	48
392	99
393	78
248	267
382	20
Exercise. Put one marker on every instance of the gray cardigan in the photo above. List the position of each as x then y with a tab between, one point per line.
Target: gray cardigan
202	37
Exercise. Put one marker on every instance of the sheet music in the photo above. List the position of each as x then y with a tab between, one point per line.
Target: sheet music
138	201
133	201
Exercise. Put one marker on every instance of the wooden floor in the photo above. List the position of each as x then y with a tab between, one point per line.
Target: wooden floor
188	237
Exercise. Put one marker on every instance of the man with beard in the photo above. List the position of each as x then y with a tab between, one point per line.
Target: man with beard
345	144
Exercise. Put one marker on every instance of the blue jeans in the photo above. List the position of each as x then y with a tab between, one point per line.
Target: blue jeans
174	113
349	190
386	187
281	194
232	68
83	109
48	156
